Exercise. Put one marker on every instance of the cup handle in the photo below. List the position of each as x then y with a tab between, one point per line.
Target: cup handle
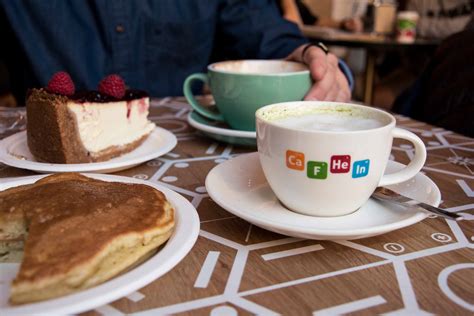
192	101
414	166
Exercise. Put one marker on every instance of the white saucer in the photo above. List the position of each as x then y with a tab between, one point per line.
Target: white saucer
176	248
14	152
220	131
240	187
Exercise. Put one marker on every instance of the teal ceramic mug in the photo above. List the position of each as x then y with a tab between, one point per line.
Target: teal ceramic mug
241	87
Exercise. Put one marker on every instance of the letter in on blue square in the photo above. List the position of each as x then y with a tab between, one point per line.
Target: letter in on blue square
360	168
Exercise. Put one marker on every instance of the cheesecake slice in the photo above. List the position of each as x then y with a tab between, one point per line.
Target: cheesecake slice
87	126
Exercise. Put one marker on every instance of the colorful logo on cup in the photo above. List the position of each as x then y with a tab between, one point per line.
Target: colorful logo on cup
294	160
360	168
317	170
320	169
340	163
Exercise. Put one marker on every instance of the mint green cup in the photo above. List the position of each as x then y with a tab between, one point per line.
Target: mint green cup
241	87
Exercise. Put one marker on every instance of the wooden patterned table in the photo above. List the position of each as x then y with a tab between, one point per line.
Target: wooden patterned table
425	268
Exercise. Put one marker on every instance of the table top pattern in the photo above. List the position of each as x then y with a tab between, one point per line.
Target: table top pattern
236	268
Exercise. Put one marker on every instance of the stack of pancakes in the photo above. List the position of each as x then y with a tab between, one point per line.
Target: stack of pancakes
79	232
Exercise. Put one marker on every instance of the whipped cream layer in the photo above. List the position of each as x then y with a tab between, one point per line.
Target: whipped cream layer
103	125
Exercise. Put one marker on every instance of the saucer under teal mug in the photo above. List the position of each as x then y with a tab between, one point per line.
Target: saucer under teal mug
240	88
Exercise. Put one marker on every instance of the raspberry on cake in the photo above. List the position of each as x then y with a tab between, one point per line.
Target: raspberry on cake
61	83
65	126
113	85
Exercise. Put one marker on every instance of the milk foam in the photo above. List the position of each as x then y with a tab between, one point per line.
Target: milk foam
329	122
260	67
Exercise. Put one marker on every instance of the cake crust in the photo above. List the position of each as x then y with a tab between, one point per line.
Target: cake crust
48	138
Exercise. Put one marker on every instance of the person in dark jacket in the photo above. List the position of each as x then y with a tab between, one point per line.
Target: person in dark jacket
153	45
444	94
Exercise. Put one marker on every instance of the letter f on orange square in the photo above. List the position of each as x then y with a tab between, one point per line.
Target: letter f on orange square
294	160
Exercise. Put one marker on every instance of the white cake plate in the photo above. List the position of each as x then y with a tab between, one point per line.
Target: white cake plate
14	152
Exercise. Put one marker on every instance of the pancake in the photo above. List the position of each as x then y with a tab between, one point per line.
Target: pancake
79	232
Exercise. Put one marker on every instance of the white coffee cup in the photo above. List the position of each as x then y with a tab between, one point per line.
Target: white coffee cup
327	158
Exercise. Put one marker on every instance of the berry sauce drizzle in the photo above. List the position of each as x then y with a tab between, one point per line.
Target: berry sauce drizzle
99	97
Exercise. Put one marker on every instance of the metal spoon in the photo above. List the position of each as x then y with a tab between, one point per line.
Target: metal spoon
387	195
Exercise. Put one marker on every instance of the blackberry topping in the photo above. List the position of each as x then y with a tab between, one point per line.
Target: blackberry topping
132	94
99	97
92	96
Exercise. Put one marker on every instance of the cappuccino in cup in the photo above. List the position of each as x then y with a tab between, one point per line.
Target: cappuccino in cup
241	87
327	158
329	122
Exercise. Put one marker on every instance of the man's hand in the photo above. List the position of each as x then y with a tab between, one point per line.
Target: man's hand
330	84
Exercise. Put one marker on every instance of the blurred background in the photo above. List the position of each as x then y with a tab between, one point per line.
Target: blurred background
365	31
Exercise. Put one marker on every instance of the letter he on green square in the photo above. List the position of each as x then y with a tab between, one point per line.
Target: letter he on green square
317	169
